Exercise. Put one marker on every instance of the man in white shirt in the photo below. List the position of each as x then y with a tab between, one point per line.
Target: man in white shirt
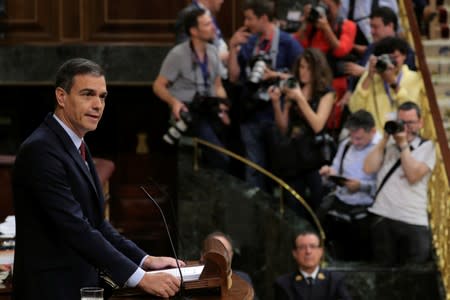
400	230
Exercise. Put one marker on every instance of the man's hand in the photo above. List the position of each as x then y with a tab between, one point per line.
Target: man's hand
160	284
353	69
389	75
327	171
177	107
353	185
401	139
160	262
239	37
223	114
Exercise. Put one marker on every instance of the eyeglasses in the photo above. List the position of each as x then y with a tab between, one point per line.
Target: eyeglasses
310	246
410	122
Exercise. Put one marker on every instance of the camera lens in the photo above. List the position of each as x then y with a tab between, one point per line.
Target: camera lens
393	127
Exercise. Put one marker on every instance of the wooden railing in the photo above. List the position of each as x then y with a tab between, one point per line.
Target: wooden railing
439	190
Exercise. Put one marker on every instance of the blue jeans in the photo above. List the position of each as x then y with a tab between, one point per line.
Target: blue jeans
214	159
254	138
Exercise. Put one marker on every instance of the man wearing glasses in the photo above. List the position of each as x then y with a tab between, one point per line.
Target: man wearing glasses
309	281
400	229
387	82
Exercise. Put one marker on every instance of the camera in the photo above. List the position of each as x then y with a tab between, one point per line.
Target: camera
318	11
176	131
393	127
258	63
383	61
288	83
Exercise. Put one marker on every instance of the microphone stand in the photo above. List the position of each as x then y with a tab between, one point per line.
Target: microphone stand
168	234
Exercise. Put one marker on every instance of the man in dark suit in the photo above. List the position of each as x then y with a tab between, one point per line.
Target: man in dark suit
63	242
309	281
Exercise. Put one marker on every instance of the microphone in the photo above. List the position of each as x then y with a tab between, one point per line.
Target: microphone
168	234
164	193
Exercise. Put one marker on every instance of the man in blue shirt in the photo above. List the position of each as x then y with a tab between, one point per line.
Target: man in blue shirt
259	37
347	211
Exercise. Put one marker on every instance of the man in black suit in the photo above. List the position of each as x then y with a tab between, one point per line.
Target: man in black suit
63	242
309	281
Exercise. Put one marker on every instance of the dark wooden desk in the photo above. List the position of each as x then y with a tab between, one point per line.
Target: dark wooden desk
240	290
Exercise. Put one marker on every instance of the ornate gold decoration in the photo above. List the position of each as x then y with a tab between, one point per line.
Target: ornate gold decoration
321	276
298	278
438	188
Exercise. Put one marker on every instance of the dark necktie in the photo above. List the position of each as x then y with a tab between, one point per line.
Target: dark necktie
309	280
83	150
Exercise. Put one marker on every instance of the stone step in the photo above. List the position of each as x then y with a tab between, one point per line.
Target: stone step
439	65
436	48
371	282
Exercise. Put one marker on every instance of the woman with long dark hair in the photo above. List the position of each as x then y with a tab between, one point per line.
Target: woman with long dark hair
303	145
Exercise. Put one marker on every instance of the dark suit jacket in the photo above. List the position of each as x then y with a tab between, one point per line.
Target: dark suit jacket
327	286
62	239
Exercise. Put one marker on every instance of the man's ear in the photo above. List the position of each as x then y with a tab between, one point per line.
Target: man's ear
193	31
60	94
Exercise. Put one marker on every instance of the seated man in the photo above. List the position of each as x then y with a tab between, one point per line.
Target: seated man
309	281
388	82
400	230
345	223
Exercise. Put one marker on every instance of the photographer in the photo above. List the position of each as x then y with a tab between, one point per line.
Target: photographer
190	73
387	82
343	213
298	153
400	230
334	36
258	37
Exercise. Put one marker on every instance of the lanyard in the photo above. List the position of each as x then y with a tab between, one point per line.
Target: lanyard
266	42
387	89
203	66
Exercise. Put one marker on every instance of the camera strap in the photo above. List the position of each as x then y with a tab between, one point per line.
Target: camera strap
393	168
388	89
341	166
273	44
203	67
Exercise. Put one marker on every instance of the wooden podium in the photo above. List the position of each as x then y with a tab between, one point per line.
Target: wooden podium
216	275
216	282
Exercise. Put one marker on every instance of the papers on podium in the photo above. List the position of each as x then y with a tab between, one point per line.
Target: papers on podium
190	273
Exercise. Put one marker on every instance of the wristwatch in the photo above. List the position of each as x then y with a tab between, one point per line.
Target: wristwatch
402	148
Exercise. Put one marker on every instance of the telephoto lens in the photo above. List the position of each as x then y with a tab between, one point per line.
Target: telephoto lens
175	132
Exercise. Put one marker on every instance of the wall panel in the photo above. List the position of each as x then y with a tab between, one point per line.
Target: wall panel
31	21
102	21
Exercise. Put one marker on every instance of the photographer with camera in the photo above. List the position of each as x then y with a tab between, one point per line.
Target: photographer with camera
189	82
300	145
343	212
400	228
383	23
387	82
334	36
261	49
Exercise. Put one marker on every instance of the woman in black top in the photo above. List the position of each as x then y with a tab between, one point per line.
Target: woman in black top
301	122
